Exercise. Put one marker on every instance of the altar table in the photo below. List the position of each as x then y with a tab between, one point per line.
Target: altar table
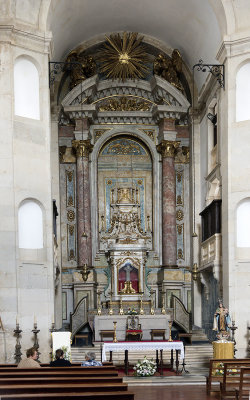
142	346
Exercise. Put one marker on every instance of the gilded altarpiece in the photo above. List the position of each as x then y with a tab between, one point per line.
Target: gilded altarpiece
125	213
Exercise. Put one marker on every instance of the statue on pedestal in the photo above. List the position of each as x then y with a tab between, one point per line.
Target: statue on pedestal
222	321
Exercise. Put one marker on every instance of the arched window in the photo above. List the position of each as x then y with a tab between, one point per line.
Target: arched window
243	225
26	89
243	93
30	225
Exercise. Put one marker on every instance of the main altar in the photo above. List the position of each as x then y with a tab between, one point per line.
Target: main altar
124	184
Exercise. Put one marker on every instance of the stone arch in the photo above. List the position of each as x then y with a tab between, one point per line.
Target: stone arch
136	133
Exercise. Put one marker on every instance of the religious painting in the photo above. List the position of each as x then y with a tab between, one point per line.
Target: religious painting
128	273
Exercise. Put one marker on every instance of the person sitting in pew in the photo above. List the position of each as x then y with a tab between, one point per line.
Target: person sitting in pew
30	361
60	360
90	360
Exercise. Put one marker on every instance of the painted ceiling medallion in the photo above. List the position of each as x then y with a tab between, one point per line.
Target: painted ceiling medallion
124	57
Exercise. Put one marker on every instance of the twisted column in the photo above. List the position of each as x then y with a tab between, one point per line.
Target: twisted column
168	149
82	149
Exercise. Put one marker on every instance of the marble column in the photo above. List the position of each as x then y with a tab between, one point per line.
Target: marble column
83	148
168	149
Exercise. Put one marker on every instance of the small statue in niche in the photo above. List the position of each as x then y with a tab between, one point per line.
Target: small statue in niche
222	321
170	68
84	68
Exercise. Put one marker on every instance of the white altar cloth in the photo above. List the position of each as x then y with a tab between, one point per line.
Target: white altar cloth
141	346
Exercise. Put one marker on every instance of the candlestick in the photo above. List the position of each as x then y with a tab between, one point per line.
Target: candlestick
18	354
115	338
163	310
141	306
170	323
99	306
121	311
110	305
152	311
36	344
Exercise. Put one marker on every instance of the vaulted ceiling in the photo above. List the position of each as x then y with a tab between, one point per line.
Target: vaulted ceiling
189	25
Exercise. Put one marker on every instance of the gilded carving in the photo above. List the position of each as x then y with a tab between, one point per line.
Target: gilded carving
168	148
150	133
62	150
124	104
72	255
70	215
182	156
179	215
170	68
123	57
179	229
70	201
71	229
70	175
80	67
179	200
99	133
125	147
180	254
179	176
82	147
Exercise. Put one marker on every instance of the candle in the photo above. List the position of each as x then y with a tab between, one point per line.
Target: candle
233	316
17	319
53	321
34	319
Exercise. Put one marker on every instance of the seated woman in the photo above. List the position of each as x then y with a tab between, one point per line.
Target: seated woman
60	361
90	360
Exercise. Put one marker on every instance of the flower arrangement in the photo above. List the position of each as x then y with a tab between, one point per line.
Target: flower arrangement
145	367
132	311
220	370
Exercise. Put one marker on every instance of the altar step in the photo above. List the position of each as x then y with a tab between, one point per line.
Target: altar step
196	356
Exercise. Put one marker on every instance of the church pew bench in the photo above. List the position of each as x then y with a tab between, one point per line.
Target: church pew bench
213	366
67	379
109	368
62	388
62	373
119	395
244	387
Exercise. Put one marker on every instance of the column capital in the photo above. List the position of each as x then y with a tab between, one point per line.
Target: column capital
82	147
168	148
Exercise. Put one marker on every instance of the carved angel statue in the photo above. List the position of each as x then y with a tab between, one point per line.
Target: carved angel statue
170	68
84	67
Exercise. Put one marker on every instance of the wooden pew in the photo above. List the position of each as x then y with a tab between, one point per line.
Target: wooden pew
244	386
30	388
23	374
72	396
231	378
213	366
55	379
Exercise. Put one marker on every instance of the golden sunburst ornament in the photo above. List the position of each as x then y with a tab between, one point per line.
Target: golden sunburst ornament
124	57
